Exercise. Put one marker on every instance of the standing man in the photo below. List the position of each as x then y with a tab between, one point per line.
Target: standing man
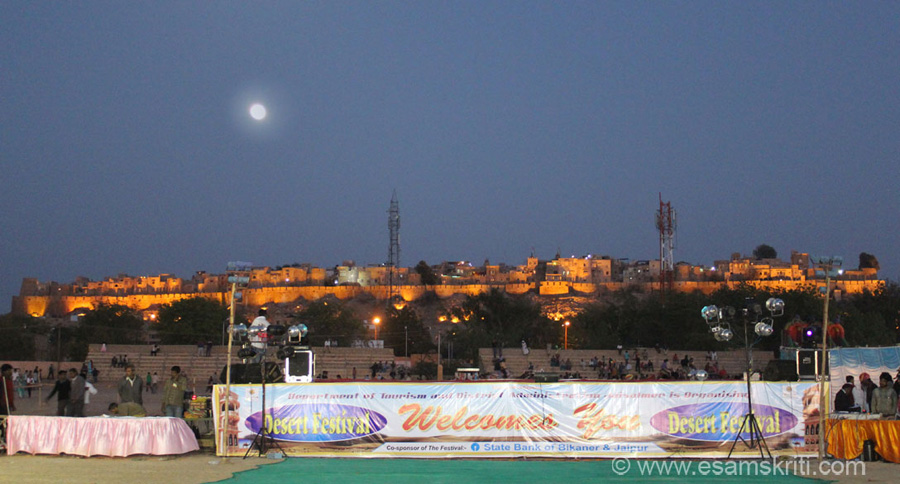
173	394
130	388
61	389
76	394
884	399
258	336
7	403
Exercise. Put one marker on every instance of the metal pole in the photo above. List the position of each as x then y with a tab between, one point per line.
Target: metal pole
224	435
406	340
823	400
58	349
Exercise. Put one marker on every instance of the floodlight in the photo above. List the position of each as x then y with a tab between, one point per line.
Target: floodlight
763	329
701	375
724	335
709	312
775	306
246	352
240	329
286	352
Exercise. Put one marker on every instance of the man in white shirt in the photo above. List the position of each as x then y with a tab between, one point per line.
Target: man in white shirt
859	396
258	335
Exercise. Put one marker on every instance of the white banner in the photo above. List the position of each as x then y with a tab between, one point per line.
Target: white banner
512	419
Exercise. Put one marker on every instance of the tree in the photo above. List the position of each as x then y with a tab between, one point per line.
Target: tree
16	341
112	324
330	321
868	261
497	316
764	251
404	327
428	276
191	320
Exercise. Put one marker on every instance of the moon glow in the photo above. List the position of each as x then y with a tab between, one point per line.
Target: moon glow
258	112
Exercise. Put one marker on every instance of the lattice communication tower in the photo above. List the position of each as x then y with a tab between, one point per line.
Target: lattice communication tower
394	249
665	223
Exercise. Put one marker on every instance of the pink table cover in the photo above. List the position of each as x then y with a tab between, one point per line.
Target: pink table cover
108	436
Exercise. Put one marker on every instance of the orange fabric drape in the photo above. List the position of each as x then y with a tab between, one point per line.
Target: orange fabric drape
846	437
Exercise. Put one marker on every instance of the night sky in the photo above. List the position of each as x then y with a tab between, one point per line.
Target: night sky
506	128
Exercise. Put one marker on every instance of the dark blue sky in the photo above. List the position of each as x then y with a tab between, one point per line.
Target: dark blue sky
126	145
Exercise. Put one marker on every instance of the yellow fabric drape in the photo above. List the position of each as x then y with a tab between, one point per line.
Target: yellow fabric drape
846	437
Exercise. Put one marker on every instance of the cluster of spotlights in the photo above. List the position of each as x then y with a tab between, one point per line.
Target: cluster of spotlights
296	333
717	317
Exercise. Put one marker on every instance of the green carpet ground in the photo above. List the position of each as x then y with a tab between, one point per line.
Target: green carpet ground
430	471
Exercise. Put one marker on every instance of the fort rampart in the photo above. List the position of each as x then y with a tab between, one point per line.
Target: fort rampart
63	305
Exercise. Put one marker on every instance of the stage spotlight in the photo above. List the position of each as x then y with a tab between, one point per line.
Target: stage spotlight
775	306
724	334
240	329
287	351
298	331
763	329
709	313
701	375
246	352
276	330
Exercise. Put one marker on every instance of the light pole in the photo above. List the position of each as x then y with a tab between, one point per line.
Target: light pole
376	321
718	321
566	341
828	264
238	277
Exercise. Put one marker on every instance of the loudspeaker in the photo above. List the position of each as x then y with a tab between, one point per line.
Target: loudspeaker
781	370
546	377
250	373
807	364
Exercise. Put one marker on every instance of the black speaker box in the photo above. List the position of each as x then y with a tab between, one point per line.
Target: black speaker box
546	377
781	370
807	363
250	373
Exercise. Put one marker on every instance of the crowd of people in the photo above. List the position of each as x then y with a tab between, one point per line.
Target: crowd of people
73	389
869	397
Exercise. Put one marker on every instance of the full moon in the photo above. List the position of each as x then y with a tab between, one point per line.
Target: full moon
258	112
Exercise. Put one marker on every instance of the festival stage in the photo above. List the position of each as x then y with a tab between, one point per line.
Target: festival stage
506	419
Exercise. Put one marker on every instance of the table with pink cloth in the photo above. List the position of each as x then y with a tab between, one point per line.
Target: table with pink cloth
108	436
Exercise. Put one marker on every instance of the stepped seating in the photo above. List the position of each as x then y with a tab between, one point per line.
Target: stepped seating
335	360
733	361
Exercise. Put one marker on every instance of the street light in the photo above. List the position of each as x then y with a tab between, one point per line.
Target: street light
376	321
566	343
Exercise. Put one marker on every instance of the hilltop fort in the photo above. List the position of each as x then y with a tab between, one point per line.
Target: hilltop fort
562	276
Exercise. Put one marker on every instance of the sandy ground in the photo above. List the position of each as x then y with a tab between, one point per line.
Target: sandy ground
197	467
204	466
